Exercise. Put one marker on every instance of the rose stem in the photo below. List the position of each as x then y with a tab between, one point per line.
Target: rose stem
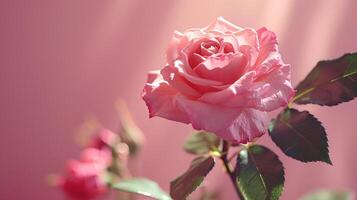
225	149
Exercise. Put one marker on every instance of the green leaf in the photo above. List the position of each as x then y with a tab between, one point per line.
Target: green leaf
201	143
143	187
185	184
260	174
300	136
330	82
329	195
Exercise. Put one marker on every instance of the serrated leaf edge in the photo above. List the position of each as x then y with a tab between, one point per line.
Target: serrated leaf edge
201	177
328	161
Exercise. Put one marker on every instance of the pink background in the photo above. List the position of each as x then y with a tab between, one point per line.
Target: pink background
63	61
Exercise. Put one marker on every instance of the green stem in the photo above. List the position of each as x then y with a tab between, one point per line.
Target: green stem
231	173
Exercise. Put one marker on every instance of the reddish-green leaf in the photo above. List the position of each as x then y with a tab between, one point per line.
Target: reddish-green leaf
300	135
260	174
185	184
330	82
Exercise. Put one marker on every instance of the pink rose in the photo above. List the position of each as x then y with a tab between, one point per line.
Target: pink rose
222	79
84	178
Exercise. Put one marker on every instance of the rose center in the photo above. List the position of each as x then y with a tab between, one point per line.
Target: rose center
209	48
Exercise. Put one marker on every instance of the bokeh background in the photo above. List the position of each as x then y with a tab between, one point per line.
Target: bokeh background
64	61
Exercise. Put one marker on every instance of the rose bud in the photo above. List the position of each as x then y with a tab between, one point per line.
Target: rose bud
84	179
101	157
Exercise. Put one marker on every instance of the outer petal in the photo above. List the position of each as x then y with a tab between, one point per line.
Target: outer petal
277	91
268	44
236	125
247	37
160	98
220	24
178	42
266	92
175	80
182	41
238	95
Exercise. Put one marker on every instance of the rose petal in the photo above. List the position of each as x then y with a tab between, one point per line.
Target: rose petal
262	92
194	79
178	42
229	40
236	125
279	90
153	76
191	51
194	33
237	95
268	44
160	98
171	75
226	68
220	24
247	37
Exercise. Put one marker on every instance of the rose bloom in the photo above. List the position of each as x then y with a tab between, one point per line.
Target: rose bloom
222	79
84	179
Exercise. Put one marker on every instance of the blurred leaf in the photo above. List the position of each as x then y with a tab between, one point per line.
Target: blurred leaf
260	174
300	135
330	82
53	180
87	130
329	195
208	195
130	133
185	184
143	187
201	143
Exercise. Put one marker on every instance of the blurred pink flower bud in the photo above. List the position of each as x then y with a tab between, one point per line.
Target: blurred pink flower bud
101	157
84	179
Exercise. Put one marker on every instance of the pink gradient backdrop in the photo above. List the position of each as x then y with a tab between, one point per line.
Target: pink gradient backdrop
62	61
